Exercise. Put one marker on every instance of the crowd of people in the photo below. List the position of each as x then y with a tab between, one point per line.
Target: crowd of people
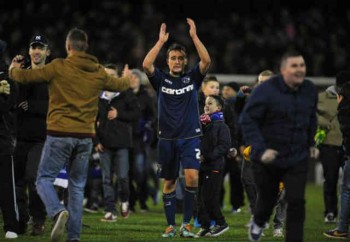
239	38
97	123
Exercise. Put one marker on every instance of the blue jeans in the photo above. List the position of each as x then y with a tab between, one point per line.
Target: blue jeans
115	161
57	152
343	224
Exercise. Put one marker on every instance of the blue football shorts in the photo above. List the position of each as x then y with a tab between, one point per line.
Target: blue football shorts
173	152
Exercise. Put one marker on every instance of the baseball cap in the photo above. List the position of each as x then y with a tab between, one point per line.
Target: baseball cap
39	39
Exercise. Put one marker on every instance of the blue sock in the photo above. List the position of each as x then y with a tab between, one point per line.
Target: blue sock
190	193
169	200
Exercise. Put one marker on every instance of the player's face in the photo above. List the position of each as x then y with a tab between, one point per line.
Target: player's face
38	53
294	70
211	106
228	92
176	62
211	88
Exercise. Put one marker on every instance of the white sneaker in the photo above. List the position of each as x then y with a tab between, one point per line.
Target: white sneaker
278	233
124	209
109	217
11	235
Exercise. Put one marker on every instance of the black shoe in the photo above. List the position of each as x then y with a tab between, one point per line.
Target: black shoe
218	230
22	227
255	231
203	232
38	229
72	240
336	234
92	209
144	208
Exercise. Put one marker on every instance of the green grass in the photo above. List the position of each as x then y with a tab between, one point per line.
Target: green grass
149	226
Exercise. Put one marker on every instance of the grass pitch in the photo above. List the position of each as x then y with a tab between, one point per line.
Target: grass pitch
149	226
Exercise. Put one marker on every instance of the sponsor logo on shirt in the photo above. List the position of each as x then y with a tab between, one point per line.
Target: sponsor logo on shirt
180	91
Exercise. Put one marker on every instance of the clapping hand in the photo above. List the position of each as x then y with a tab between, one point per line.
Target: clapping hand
193	31
163	35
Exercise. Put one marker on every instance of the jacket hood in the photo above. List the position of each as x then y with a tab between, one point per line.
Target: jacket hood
84	61
331	92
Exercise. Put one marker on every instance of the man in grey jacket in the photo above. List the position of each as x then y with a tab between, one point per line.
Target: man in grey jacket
331	154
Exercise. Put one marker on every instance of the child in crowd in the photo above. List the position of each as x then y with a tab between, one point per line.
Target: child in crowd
215	145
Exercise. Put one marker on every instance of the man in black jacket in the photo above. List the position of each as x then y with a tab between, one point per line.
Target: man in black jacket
279	122
116	113
32	109
8	95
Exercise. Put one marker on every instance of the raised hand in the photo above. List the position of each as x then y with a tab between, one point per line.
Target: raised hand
17	61
193	31
126	71
163	35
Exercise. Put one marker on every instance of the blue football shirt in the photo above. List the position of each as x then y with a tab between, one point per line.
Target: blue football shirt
178	114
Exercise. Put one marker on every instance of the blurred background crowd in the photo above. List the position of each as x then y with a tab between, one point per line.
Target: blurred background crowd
241	39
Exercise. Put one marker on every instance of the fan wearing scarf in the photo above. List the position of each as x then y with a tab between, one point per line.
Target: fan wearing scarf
215	145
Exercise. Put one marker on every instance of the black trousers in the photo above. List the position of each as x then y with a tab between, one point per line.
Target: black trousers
27	159
209	198
332	159
249	184
8	196
233	168
138	173
267	178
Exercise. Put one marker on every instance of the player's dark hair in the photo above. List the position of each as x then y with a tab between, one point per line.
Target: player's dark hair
178	47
